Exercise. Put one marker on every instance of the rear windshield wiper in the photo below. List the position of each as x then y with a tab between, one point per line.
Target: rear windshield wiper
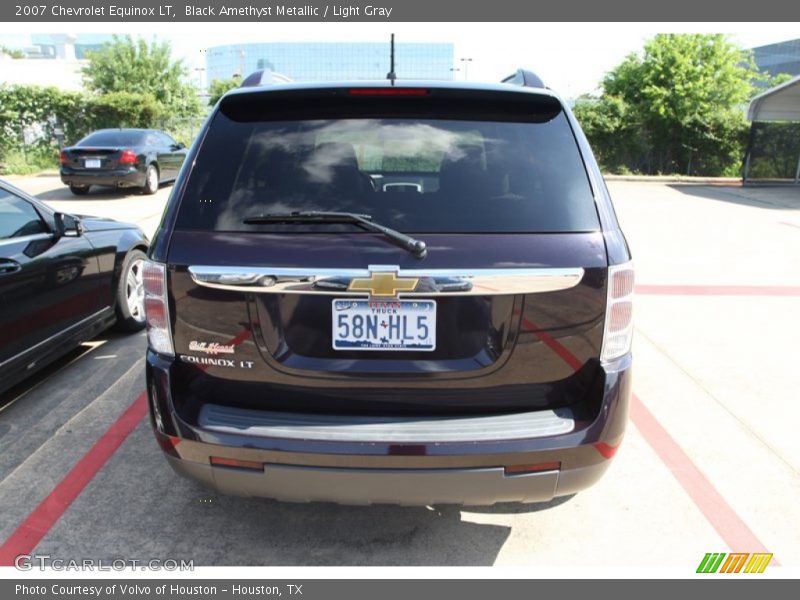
415	246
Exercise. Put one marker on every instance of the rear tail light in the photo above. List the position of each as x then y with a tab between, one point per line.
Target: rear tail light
618	332
156	308
128	157
62	158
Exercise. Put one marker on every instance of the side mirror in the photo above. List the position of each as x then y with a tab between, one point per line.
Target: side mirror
67	225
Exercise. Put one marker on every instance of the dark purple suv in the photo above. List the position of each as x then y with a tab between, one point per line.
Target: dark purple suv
408	293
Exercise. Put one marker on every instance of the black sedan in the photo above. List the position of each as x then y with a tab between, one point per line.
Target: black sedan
63	279
124	158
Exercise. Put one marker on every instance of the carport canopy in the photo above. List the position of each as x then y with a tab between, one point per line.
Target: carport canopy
781	103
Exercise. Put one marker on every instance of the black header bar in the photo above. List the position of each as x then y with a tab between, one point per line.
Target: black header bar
382	11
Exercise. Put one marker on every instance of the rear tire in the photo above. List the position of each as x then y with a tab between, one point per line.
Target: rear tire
130	293
150	180
79	190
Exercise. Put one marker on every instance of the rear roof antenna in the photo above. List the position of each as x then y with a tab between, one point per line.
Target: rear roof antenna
391	75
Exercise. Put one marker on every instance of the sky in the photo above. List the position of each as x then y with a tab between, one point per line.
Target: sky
571	58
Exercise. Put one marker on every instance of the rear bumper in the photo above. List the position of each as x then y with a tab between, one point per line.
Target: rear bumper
124	177
411	487
359	463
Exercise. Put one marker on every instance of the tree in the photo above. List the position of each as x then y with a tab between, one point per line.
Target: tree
11	52
124	109
219	87
134	66
39	111
684	95
778	79
618	140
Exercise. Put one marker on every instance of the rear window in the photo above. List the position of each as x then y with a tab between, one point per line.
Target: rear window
412	173
112	138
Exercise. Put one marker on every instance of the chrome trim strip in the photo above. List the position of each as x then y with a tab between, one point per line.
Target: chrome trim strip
359	429
432	282
45	235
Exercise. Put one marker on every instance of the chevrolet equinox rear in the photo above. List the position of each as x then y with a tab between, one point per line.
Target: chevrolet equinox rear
408	293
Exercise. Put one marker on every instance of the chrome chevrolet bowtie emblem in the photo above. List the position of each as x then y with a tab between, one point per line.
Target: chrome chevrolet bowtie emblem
383	284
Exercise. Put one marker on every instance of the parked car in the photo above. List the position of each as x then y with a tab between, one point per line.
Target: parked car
63	279
390	292
123	158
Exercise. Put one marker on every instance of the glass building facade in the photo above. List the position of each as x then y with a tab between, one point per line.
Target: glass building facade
331	61
783	57
54	45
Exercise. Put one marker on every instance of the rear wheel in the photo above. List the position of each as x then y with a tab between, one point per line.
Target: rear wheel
130	293
79	190
151	180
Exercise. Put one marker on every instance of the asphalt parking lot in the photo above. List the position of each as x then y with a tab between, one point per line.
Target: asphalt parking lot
710	462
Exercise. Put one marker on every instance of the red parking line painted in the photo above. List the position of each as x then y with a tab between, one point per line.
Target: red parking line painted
49	511
730	527
718	290
33	529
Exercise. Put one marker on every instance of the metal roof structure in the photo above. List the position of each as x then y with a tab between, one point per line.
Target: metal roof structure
781	103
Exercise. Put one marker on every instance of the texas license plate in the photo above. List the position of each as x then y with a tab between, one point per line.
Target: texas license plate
92	163
384	325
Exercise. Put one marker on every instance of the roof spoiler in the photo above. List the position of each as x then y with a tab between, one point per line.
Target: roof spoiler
525	78
264	77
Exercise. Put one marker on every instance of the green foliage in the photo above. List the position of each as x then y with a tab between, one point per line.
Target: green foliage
11	52
676	108
134	66
24	161
182	129
776	147
29	115
779	79
617	139
124	109
129	84
219	87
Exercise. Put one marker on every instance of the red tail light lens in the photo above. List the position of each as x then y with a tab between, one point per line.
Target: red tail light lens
388	92
62	158
128	157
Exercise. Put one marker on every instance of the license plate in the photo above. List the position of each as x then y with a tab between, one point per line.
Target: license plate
92	163
384	325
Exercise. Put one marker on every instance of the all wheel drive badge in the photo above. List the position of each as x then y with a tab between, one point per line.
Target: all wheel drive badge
383	284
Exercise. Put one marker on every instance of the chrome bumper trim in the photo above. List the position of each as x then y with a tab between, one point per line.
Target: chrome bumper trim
431	282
